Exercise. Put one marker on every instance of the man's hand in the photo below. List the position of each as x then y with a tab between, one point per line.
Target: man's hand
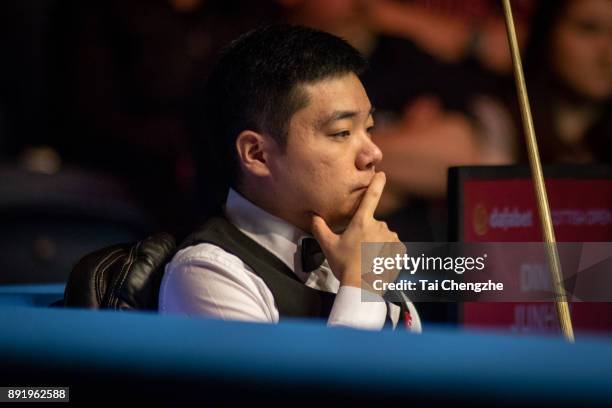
343	252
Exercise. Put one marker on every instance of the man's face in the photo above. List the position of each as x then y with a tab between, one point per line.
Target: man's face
329	158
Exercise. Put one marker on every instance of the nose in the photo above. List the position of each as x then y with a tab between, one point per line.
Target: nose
369	155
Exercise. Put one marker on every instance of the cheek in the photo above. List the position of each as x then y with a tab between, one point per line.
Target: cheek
308	181
580	63
321	182
314	165
576	62
318	179
569	55
325	183
333	190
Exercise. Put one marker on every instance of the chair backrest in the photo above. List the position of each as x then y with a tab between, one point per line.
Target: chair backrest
123	276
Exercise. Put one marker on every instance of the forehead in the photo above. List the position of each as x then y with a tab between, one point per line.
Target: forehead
589	9
336	94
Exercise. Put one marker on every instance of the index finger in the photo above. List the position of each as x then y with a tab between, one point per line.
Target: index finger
370	199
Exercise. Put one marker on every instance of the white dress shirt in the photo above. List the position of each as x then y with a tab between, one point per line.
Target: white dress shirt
206	280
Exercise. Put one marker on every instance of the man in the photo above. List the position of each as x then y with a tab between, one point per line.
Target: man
291	121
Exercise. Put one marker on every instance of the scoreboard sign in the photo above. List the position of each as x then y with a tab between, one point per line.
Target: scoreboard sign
497	204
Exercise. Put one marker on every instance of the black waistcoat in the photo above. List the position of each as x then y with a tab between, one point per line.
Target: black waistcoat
292	297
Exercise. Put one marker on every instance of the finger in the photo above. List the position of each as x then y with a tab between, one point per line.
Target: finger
322	233
370	199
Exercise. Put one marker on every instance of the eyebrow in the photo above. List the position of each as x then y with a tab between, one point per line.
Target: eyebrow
339	115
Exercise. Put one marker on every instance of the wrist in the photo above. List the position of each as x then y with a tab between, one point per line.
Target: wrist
351	279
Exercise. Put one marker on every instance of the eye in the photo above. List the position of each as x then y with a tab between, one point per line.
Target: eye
344	133
588	27
369	130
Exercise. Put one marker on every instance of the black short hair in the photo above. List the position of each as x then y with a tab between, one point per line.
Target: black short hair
256	85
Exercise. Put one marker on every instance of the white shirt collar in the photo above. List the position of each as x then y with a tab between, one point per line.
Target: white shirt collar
273	233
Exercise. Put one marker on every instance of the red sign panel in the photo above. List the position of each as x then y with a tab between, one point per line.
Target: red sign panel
505	211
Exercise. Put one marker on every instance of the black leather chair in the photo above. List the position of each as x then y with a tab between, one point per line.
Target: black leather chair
121	277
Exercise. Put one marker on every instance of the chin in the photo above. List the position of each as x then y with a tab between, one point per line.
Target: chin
340	220
339	213
339	226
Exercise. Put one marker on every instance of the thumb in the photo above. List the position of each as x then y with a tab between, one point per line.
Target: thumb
322	233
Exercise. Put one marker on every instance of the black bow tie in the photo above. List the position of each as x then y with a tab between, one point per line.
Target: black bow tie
312	255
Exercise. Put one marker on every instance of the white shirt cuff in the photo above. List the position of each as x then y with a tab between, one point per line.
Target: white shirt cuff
349	310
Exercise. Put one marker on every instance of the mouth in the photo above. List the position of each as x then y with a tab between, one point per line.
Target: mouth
364	186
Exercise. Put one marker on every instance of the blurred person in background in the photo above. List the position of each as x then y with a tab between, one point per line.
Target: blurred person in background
454	30
569	76
568	71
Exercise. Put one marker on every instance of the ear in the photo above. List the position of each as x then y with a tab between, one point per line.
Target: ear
252	153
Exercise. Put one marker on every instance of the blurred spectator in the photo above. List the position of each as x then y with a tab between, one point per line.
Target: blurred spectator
568	70
122	86
453	30
569	79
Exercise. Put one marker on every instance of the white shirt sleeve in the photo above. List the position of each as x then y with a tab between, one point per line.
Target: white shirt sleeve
208	281
349	310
